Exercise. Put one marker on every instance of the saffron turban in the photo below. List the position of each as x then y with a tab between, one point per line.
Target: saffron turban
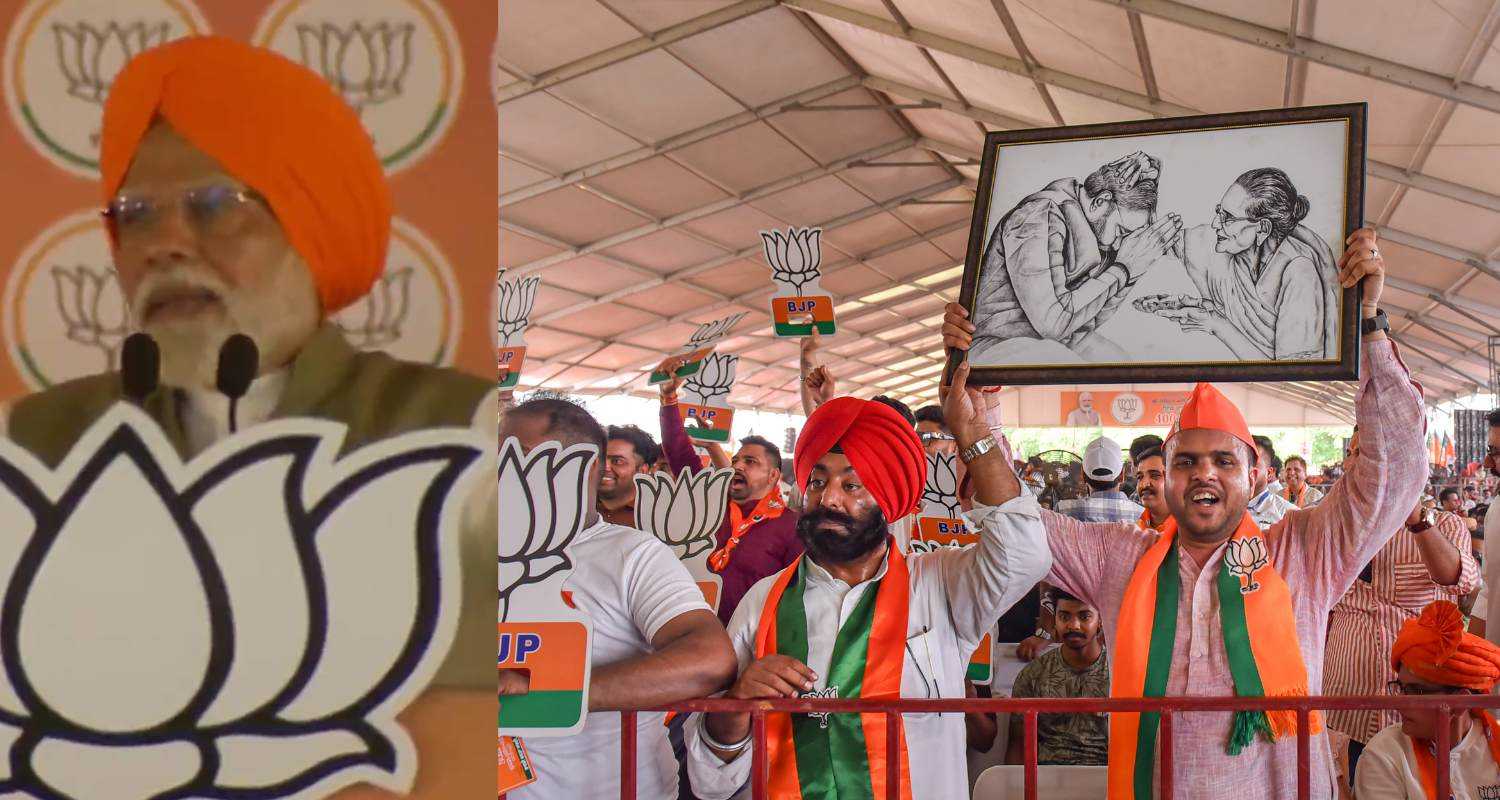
1207	408
278	127
1437	649
882	447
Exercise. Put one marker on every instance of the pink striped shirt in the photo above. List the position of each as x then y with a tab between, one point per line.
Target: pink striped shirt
1318	551
1364	624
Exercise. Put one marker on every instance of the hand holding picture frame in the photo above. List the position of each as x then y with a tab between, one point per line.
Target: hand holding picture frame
1167	250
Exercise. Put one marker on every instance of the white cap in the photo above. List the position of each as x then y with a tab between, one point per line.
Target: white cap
1102	460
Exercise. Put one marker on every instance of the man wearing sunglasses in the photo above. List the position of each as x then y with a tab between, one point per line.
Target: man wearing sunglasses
1435	657
244	196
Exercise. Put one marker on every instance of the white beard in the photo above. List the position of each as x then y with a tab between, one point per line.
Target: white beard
280	316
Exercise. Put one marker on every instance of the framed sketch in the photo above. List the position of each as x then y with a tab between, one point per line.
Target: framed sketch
1167	250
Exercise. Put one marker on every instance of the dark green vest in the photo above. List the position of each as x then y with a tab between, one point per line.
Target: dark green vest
375	395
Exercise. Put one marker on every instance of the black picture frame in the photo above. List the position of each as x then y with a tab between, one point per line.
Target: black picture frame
1344	367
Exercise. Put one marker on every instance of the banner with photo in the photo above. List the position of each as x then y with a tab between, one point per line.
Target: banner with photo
1090	409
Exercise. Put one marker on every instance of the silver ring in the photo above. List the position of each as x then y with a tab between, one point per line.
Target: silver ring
1374	253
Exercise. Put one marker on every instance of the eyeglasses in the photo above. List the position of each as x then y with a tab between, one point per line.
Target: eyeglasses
213	210
937	437
1224	218
1422	690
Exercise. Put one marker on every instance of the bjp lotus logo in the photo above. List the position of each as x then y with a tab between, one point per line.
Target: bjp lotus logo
1244	558
61	58
383	312
940	492
685	511
365	62
91	56
711	385
413	312
540	493
397	63
794	257
517	298
92	310
160	641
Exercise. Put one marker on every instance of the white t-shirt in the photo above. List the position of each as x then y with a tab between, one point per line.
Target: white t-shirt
630	584
1387	769
1488	604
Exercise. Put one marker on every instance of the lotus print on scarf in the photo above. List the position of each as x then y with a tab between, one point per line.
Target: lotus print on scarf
244	625
1244	558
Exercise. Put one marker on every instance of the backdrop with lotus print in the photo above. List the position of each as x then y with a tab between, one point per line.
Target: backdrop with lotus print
201	650
417	71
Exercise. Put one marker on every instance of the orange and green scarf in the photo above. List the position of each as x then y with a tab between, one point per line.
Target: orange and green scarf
838	756
770	507
1426	753
1260	639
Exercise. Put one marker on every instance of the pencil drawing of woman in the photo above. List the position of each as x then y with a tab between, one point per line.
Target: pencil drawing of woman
1270	281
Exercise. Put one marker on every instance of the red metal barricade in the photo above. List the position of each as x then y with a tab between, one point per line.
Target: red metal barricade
1030	707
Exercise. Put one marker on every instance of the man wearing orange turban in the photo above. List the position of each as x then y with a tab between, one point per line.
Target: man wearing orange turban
854	617
1435	657
1210	604
242	195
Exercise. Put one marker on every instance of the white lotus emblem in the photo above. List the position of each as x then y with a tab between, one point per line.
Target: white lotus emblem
158	641
940	492
91	57
542	508
711	384
378	319
685	511
795	257
92	309
1244	558
367	64
516	300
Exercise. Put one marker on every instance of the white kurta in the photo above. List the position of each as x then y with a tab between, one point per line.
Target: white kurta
956	597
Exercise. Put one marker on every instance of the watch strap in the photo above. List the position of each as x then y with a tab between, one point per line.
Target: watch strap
977	449
1421	527
1375	323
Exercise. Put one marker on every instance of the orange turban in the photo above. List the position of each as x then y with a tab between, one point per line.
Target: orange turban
1207	408
1437	649
882	447
278	127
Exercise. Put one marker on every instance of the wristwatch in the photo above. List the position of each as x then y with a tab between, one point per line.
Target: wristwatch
1042	633
977	449
1375	323
1429	519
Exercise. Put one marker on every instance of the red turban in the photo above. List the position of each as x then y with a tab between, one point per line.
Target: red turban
278	127
1437	649
882	447
1207	408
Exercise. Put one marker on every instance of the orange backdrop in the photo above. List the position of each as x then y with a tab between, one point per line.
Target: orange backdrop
419	73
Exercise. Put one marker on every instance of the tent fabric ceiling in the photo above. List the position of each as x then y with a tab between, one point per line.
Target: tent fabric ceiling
644	143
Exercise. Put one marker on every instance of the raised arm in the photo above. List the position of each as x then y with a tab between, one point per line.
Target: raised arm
675	443
816	383
1364	509
1011	557
1079	551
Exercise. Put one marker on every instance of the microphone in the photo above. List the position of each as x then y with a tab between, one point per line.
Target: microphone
140	367
239	360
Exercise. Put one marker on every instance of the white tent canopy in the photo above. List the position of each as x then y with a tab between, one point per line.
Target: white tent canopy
643	143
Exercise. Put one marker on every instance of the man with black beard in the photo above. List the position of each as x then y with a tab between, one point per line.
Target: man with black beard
856	618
